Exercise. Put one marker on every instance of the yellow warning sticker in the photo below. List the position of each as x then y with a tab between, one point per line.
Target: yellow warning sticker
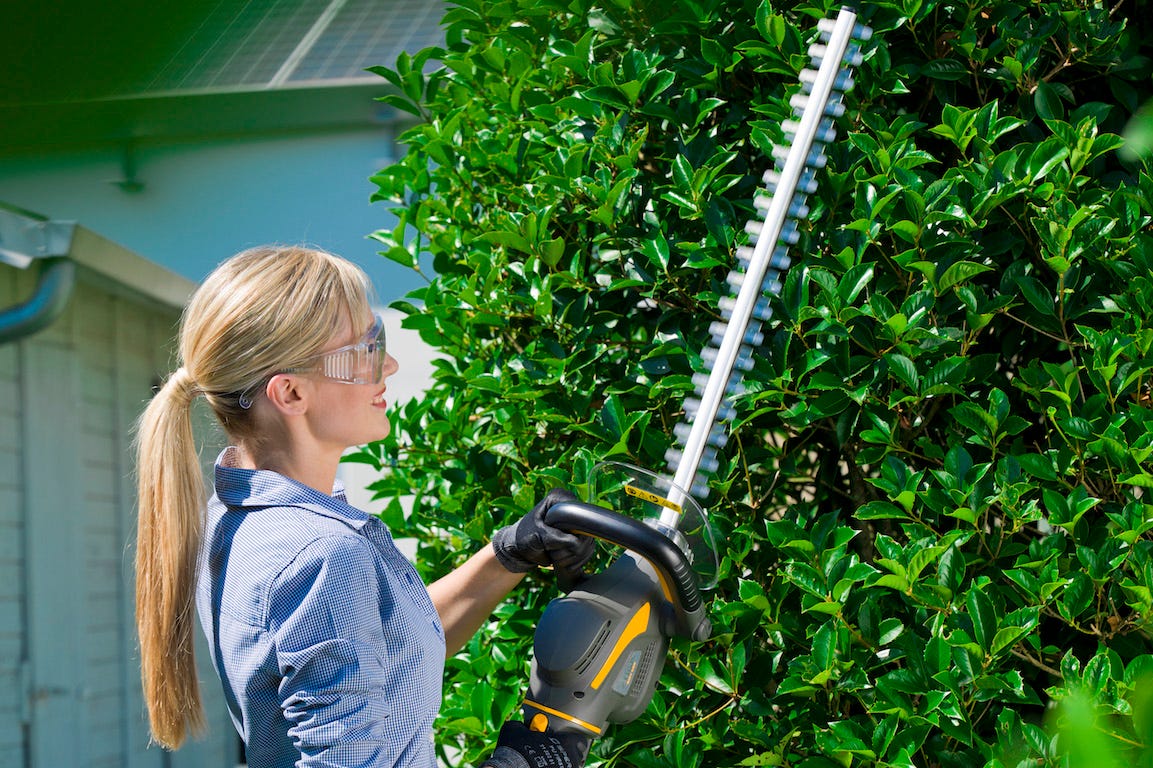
652	497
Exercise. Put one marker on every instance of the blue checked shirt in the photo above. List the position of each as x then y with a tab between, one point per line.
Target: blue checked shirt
328	646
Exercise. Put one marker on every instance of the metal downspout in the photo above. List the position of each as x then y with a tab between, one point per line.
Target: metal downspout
23	240
57	278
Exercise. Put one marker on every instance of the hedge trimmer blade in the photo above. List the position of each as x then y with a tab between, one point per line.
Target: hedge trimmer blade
780	207
598	652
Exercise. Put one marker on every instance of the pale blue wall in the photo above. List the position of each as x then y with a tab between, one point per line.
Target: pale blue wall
203	201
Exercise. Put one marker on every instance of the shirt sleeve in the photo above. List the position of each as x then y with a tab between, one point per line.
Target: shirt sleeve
326	620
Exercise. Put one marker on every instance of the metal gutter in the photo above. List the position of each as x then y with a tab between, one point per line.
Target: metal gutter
67	253
127	273
24	240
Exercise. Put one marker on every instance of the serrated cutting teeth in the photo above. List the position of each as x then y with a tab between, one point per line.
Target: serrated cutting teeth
762	311
800	101
736	387
718	438
826	27
852	55
779	261
764	260
815	159
753	335
842	84
797	209
825	132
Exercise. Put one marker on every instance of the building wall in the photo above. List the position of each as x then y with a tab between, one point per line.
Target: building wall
12	535
69	669
201	201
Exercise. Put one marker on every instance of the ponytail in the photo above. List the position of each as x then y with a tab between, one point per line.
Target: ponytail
170	490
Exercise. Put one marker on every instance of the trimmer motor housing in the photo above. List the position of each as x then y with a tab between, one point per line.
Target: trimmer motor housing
599	650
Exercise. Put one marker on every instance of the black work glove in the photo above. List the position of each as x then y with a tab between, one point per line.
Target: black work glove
518	747
531	541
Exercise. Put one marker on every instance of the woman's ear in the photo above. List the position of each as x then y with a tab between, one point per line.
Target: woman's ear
287	393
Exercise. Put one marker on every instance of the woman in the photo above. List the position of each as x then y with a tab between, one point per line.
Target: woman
329	647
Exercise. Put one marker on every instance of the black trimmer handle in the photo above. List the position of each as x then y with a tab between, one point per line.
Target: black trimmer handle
672	567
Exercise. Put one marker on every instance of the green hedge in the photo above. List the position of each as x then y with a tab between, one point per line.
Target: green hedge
936	510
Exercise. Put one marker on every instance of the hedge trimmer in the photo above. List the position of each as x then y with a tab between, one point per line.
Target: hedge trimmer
599	650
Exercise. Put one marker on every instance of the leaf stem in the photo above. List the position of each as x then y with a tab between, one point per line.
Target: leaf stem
1031	327
1036	663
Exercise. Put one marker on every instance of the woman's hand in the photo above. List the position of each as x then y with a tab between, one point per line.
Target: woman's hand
465	598
519	747
531	542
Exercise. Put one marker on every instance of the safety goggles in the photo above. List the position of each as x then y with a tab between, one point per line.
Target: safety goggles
359	363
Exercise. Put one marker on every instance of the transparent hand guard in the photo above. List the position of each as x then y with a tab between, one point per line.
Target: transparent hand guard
642	495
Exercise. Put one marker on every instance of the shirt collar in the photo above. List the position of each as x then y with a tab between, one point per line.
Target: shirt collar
241	489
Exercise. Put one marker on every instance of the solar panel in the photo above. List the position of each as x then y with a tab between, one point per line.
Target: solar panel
276	43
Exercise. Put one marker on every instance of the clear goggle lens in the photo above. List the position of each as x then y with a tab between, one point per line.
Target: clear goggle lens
360	363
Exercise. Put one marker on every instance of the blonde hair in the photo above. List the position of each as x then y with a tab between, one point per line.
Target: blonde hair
261	311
